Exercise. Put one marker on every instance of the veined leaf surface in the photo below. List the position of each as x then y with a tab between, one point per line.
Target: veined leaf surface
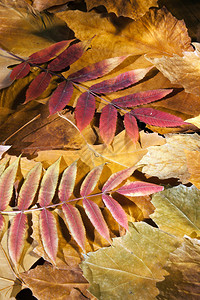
116	210
139	188
85	109
119	82
48	231
91	181
49	184
60	97
67	182
116	178
94	214
1	223
108	122
157	118
97	70
75	224
38	86
20	71
131	126
16	236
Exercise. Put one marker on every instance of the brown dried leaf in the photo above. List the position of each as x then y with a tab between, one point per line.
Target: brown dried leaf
193	164
41	5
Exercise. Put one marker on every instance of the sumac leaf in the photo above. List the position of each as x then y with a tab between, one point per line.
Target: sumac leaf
97	70
48	231
94	214
75	224
139	188
85	109
157	118
116	178
67	182
131	127
141	98
49	184
17	236
29	187
60	97
91	181
119	82
20	71
7	181
116	210
69	56
1	223
48	53
108	122
38	86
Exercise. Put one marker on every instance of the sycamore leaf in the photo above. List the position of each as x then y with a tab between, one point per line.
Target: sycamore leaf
132	9
20	71
60	97
85	109
75	224
108	122
165	161
49	184
141	98
116	178
38	86
69	56
119	82
91	181
96	70
131	126
16	236
183	268
47	54
155	117
29	187
94	214
67	182
48	231
116	210
7	181
47	281
139	188
177	210
132	266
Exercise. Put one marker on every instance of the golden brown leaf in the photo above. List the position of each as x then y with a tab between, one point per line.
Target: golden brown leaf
193	164
132	9
45	4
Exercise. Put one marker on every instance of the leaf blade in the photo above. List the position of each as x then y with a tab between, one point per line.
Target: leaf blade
131	127
38	86
108	122
139	188
85	109
91	181
20	71
67	182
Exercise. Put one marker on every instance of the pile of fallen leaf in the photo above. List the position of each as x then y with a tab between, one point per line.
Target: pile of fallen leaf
101	202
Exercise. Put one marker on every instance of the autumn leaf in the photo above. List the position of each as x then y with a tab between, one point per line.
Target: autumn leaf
177	210
193	163
131	266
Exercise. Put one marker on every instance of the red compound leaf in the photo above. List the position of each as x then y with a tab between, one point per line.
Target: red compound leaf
38	86
20	71
108	122
75	224
48	53
141	98
60	97
85	109
1	223
119	82
16	238
131	126
91	181
139	188
69	56
67	182
94	214
116	178
49	235
157	118
97	70
116	210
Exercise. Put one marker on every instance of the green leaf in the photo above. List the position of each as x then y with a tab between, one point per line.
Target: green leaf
130	268
178	210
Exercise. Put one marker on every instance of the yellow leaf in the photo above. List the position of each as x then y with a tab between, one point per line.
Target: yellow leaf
193	164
